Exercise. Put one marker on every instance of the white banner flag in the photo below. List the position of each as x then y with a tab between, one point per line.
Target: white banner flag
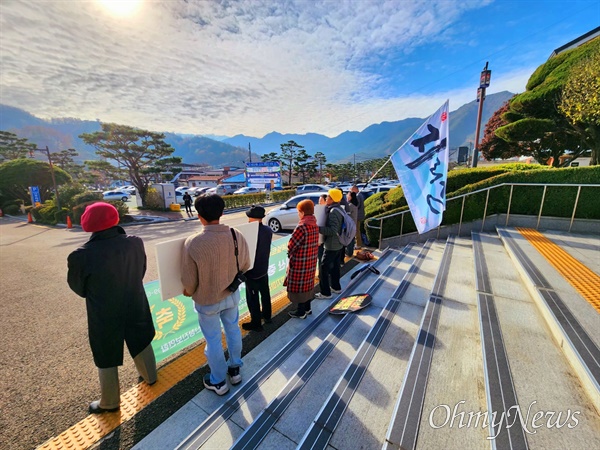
422	167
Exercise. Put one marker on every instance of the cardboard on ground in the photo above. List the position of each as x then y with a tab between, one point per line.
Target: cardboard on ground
168	259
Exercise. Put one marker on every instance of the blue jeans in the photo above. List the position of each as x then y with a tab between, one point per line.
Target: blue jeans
210	318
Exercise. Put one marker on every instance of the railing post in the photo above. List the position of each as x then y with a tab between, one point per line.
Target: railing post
380	231
509	203
401	224
575	208
462	209
541	208
487	197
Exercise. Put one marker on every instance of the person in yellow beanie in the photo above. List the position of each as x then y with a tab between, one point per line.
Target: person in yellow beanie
329	272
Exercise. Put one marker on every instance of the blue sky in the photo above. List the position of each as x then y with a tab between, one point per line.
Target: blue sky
255	66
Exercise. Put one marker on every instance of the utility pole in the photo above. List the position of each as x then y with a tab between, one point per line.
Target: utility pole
354	156
484	82
249	153
47	152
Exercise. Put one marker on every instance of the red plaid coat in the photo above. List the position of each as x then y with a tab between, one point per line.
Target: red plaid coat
303	252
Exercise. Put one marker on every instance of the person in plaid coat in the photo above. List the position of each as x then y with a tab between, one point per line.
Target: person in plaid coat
303	251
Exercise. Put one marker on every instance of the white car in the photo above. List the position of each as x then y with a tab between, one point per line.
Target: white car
196	191
182	190
247	190
221	189
306	188
116	195
128	189
286	217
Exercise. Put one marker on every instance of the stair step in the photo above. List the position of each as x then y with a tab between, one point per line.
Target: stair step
458	331
536	371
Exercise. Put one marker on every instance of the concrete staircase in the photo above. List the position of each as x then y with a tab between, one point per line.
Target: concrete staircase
488	342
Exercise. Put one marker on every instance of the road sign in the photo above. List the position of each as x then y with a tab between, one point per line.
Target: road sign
35	195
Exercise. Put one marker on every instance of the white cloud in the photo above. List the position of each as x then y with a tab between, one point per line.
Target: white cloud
219	67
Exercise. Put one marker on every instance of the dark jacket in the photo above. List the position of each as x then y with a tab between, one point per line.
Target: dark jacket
333	227
361	206
263	251
108	271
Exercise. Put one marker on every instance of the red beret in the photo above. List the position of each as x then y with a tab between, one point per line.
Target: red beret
99	216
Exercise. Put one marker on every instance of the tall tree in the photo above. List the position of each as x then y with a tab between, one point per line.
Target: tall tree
135	149
270	157
18	174
289	151
534	119
492	146
302	164
105	172
580	102
12	147
65	158
320	159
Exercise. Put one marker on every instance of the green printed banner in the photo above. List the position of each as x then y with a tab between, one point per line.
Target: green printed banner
176	321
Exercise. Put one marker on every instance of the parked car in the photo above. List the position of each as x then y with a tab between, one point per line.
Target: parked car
116	195
247	190
196	191
128	189
378	189
221	189
305	188
182	190
285	217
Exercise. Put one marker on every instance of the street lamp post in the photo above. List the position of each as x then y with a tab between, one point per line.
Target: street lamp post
484	82
47	152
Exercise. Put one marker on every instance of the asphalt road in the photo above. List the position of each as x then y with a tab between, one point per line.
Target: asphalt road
47	376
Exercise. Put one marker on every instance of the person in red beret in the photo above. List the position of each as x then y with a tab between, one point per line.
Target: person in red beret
108	271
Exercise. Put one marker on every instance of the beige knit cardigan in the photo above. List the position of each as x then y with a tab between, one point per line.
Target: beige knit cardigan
208	263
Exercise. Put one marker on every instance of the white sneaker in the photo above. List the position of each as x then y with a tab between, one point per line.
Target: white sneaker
336	291
320	296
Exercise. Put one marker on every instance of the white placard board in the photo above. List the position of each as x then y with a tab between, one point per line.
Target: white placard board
321	216
168	259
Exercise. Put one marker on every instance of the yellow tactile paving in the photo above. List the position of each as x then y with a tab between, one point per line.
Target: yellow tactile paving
90	430
585	281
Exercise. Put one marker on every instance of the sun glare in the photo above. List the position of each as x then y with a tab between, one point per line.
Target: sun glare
121	7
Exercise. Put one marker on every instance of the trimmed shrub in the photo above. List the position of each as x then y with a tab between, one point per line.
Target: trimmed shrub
85	197
153	200
237	201
11	209
282	196
68	192
61	215
526	200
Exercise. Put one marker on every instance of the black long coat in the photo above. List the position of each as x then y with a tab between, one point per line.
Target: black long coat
108	271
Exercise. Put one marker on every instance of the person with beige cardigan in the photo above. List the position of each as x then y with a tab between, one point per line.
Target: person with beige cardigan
208	268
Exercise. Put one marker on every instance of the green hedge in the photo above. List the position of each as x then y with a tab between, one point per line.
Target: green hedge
238	201
392	201
526	200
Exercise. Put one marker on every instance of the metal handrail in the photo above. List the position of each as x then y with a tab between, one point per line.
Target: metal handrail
488	189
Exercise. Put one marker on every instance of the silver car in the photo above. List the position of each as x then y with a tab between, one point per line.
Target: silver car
286	217
116	195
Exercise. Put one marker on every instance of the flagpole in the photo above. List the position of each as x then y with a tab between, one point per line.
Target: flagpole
375	174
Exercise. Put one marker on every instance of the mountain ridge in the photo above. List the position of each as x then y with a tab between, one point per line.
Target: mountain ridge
375	141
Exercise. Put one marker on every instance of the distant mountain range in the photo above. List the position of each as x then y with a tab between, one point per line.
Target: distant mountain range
374	141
